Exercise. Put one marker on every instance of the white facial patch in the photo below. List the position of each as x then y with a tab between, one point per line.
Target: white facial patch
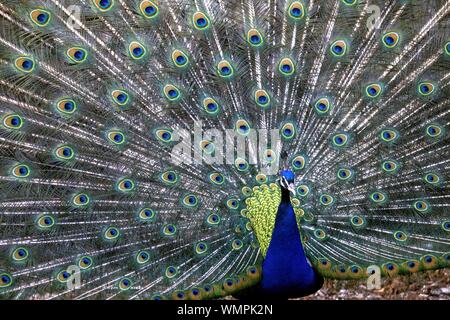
286	185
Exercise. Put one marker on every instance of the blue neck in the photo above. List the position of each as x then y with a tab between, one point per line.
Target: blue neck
286	271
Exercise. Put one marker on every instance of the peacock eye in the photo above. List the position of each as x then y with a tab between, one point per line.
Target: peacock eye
225	69
296	10
434	131
207	146
111	233
232	203
241	164
322	106
288	131
77	54
64	153
171	272
80	200
24	64
303	190
426	88
345	174
103	5
390	166
149	9
125	185
142	257
213	219
349	2
216	178
210	105
146	214
298	162
400	236
179	58
447	48
169	177
172	93
326	199
6	280
237	244
66	106
374	90
286	67
63	276
163	135
320	234
20	254
340	140
12	121
389	136
242	127
45	222
40	17
136	50
262	98
378	197
358	221
21	171
254	38
390	39
432	179
120	97
200	248
169	230
116	137
446	226
85	262
338	48
200	21
421	206
125	284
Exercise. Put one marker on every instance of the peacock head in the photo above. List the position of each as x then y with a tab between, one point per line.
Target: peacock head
287	179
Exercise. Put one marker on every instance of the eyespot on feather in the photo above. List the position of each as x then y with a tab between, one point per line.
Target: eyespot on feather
225	69
12	121
25	64
200	21
40	17
66	106
255	38
286	67
296	11
136	50
179	58
211	106
103	5
148	9
390	39
338	48
77	54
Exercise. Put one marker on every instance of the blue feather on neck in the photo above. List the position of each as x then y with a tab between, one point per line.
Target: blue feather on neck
286	271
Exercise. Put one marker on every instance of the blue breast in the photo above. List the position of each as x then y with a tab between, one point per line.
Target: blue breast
285	270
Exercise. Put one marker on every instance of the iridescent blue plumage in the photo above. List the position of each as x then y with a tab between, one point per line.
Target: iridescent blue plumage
286	271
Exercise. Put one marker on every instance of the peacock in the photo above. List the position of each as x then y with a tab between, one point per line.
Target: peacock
198	149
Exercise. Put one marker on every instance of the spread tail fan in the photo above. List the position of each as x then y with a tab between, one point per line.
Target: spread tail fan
122	123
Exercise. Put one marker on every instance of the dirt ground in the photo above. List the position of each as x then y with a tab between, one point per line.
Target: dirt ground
430	285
